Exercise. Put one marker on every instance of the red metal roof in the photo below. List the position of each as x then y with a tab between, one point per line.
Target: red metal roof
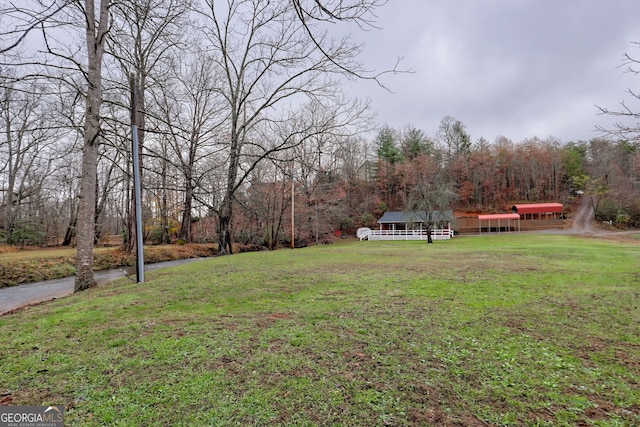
537	208
498	216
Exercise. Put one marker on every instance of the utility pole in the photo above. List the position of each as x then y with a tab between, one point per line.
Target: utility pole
293	213
136	179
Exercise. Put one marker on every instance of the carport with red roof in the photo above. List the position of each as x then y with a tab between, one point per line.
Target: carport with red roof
498	218
549	210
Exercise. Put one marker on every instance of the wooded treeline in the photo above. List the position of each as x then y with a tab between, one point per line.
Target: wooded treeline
339	182
241	112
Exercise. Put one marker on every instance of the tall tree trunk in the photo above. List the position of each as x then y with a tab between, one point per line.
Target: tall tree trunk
8	210
8	214
96	38
226	213
164	205
127	242
224	228
102	197
130	243
70	234
86	218
185	229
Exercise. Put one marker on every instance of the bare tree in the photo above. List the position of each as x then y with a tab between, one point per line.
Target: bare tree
271	54
67	176
191	116
430	195
60	60
97	19
18	117
454	137
313	163
357	173
143	37
359	12
31	143
268	198
622	129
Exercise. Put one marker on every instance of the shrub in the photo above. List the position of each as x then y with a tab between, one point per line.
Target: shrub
607	210
368	220
28	232
347	225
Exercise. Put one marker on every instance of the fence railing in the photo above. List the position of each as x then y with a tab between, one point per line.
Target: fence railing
436	234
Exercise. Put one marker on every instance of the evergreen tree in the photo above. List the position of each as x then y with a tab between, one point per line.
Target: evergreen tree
388	150
415	143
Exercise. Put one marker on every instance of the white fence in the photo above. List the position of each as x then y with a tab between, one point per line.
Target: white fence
437	234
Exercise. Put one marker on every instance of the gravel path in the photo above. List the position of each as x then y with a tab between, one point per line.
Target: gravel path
583	219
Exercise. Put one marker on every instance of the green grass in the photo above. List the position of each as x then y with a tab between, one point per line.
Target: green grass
531	330
33	265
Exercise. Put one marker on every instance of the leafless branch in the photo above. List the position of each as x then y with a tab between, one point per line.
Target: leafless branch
33	21
622	129
360	12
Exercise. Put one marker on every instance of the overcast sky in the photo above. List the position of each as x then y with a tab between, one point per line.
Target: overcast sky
517	68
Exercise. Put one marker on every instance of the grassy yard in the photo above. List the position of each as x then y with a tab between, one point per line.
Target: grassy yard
526	330
33	265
